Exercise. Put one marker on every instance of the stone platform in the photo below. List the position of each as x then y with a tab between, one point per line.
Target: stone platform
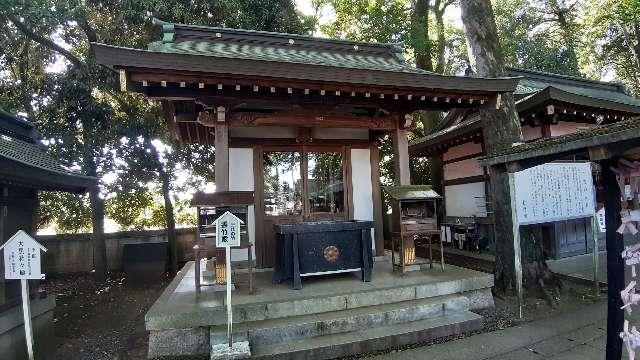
333	315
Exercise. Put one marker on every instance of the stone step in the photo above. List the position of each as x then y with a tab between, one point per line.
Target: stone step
373	339
320	304
281	330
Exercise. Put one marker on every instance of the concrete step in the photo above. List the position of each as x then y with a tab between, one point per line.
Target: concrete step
373	339
343	301
281	330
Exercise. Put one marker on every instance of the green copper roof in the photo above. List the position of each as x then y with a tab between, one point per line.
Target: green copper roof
536	81
279	47
411	192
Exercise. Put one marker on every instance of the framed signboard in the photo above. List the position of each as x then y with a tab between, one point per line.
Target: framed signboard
554	192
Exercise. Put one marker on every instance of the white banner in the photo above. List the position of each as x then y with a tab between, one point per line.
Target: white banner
554	192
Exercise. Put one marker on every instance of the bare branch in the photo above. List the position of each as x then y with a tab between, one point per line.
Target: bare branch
44	41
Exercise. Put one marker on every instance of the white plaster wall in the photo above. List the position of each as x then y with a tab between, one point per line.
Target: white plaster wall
362	187
461	150
241	179
460	199
462	169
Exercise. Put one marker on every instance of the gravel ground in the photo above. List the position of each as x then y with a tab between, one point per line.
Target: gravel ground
106	321
101	320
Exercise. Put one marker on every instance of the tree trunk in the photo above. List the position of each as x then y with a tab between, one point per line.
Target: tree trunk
501	127
170	220
429	122
438	13
99	246
420	35
171	223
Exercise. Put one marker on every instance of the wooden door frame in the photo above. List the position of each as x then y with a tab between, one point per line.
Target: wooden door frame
258	176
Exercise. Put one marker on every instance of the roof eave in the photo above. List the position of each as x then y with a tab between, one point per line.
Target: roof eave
562	148
106	55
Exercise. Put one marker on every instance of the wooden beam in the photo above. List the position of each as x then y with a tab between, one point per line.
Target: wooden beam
175	77
401	157
310	119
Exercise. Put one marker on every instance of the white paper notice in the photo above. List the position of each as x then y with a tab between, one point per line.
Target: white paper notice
554	192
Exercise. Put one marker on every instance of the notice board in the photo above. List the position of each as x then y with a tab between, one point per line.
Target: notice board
554	192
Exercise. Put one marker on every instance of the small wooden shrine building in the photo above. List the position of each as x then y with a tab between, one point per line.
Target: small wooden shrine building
25	169
293	118
549	105
616	149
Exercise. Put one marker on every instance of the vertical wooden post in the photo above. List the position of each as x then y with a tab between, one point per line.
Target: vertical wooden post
401	157
378	232
594	231
517	261
221	167
615	263
222	156
26	314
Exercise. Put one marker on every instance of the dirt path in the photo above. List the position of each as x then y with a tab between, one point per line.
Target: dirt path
101	321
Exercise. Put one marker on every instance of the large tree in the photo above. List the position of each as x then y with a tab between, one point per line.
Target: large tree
612	43
529	41
421	26
501	126
75	108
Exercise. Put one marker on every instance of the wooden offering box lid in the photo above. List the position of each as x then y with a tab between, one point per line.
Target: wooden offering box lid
411	192
222	198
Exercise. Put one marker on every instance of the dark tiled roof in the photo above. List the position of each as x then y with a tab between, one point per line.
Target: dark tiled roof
464	127
620	131
26	162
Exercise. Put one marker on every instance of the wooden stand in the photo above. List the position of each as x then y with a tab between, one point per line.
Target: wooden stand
414	217
209	208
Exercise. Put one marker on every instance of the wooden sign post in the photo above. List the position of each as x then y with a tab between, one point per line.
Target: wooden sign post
22	261
547	193
227	236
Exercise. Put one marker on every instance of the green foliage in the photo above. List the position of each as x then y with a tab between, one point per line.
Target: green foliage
613	41
67	213
529	40
92	127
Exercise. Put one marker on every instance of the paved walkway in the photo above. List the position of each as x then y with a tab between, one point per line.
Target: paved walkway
581	266
573	335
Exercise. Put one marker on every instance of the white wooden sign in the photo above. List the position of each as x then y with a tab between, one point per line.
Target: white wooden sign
554	192
227	236
22	261
602	226
22	257
228	230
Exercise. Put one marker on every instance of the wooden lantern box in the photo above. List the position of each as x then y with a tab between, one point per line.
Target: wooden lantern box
414	215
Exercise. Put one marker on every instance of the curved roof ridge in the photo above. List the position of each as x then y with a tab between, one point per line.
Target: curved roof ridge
567	79
396	47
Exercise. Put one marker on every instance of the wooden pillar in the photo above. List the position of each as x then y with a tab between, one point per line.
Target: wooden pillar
222	154
615	263
401	157
378	233
222	177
